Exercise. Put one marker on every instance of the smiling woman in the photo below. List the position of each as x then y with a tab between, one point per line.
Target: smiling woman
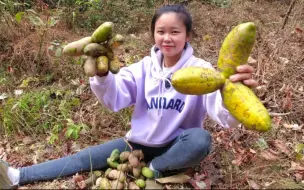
170	37
166	125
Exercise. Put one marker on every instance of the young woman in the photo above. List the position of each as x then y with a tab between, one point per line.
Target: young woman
165	125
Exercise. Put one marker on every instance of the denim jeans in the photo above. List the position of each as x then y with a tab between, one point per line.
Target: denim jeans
187	150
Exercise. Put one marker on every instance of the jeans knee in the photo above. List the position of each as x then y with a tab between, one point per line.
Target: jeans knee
201	140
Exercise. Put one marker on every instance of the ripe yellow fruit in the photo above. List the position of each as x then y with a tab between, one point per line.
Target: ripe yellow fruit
245	106
236	48
197	80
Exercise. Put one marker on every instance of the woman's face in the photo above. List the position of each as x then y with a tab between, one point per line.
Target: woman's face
170	35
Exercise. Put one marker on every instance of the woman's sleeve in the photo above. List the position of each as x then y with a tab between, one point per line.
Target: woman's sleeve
216	110
117	91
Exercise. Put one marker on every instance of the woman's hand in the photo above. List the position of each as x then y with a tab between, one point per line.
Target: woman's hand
244	74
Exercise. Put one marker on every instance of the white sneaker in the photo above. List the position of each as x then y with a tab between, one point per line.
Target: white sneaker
5	182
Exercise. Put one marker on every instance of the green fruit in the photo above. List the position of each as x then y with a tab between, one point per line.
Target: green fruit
147	172
112	164
236	48
110	54
76	48
94	49
114	65
108	171
102	64
114	155
140	183
103	32
245	106
197	80
116	41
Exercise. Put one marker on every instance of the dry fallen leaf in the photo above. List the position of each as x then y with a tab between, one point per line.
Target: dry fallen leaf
238	160
81	184
281	146
294	127
299	177
253	184
251	60
78	178
268	155
296	166
179	178
151	184
27	140
205	184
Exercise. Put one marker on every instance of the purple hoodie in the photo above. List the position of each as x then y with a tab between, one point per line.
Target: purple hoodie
160	113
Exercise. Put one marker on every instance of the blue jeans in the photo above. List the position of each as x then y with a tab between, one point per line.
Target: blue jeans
185	151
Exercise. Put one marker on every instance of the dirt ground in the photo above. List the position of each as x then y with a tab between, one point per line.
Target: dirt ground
239	158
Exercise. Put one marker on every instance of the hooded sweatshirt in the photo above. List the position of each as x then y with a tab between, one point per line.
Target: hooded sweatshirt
160	112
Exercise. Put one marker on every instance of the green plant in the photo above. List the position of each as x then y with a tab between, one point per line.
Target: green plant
74	129
219	3
37	112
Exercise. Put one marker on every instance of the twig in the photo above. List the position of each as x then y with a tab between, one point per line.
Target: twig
278	114
128	144
288	13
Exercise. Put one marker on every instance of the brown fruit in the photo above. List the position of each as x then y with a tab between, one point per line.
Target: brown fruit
124	156
139	154
133	160
136	172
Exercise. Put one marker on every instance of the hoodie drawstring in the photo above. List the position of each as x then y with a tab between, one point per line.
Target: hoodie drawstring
162	80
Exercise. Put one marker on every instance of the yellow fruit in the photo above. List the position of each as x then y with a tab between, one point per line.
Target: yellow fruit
104	184
90	67
76	48
197	80
245	106
114	65
103	32
116	41
102	64
236	48
94	49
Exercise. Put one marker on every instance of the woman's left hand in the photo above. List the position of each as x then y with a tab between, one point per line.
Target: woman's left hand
244	74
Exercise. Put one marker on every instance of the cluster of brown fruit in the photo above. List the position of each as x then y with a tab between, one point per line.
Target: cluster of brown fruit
127	170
